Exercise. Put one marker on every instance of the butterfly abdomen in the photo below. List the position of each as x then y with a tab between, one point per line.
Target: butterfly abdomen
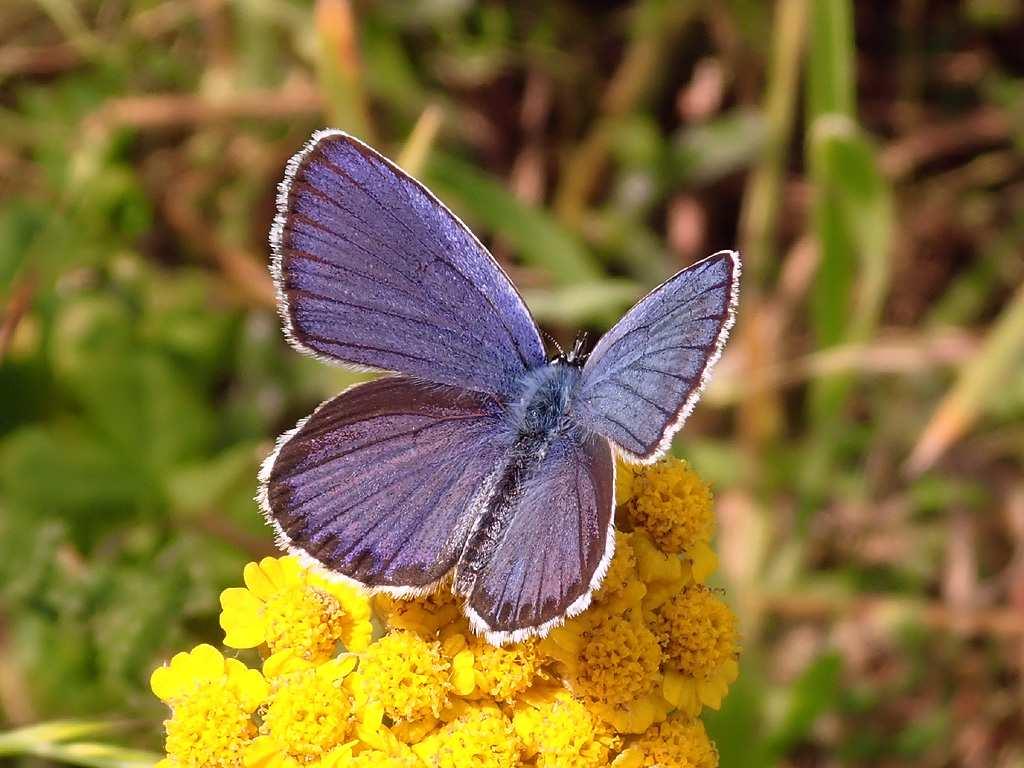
496	516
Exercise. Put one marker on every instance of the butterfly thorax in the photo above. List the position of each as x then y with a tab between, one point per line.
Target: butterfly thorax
542	407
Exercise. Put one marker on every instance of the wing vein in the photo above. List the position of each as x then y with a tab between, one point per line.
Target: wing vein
438	259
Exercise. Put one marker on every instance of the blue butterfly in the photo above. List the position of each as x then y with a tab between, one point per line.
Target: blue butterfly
477	459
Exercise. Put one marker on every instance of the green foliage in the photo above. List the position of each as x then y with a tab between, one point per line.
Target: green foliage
537	239
104	474
63	741
867	162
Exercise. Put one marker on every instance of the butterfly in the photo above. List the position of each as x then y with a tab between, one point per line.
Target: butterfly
477	461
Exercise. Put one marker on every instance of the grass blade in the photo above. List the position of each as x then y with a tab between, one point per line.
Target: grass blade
59	741
978	384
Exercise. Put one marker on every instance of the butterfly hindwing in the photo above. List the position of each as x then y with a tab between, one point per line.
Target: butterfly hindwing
645	375
382	483
373	271
557	545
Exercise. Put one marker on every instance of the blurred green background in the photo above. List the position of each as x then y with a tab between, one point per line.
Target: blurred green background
864	429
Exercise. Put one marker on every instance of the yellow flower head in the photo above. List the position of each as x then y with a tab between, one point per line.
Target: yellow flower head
463	674
372	758
425	616
679	742
702	561
373	733
309	712
597	692
291	608
700	641
480	737
560	732
672	504
621	584
625	482
502	673
697	631
407	675
662	575
618	661
212	700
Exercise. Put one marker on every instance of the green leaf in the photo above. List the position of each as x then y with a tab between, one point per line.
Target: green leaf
737	728
854	229
55	731
705	153
61	471
831	70
537	238
816	692
59	741
599	302
852	222
137	400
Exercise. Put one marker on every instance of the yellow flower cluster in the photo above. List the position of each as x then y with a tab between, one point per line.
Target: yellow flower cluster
347	680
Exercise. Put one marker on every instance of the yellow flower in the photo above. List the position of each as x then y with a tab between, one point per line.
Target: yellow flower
371	758
672	504
425	616
690	694
700	640
308	715
597	692
560	732
611	660
407	675
630	757
480	737
622	587
384	740
414	731
702	561
623	566
679	742
618	660
212	700
349	755
697	631
638	716
502	673
463	675
625	482
291	608
663	575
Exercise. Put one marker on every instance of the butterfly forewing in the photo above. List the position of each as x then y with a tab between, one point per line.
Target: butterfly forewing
645	375
382	483
373	271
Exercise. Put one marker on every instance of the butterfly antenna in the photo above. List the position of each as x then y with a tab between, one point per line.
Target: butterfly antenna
554	341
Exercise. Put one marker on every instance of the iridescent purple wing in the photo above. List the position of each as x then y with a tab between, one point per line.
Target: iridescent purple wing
647	373
373	271
383	482
557	545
